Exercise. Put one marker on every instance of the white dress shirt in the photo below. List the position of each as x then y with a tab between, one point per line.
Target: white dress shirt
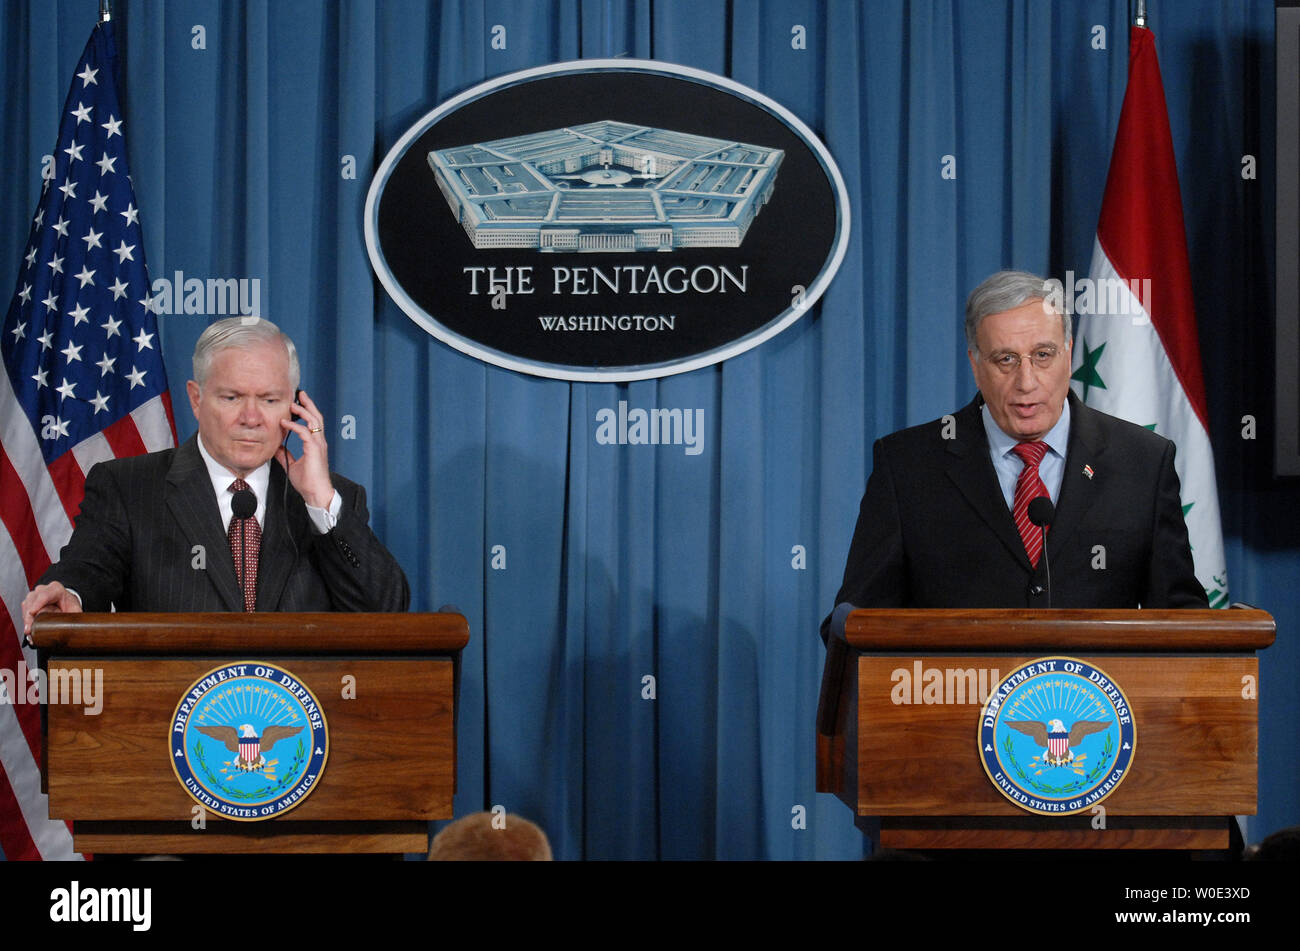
259	481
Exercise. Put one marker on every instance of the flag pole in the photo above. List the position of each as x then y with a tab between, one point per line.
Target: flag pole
105	12
1139	20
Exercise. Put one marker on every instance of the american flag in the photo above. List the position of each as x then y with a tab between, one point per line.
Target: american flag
83	381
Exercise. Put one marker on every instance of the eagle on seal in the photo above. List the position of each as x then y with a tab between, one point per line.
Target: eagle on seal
1054	739
249	746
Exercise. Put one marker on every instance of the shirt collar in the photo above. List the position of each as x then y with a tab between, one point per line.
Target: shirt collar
1057	438
259	480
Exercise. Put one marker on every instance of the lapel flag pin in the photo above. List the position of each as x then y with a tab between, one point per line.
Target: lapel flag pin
1087	470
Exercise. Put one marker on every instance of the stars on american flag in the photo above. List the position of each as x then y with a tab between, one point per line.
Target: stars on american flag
80	338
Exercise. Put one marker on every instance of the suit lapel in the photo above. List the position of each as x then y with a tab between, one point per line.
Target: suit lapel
971	470
190	500
1078	489
278	551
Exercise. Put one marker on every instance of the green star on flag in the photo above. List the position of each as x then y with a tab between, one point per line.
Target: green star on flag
1087	373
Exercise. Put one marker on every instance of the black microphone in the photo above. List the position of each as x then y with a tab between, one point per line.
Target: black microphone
1041	511
244	504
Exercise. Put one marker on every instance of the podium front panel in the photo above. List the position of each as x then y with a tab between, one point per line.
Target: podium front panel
1196	749
391	756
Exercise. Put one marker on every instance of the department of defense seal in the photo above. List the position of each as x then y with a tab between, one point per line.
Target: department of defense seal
249	741
1057	736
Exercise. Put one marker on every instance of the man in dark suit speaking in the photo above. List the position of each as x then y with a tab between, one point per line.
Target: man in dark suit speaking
212	525
946	520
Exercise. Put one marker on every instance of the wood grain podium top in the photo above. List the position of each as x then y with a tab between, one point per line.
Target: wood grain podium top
265	633
1234	630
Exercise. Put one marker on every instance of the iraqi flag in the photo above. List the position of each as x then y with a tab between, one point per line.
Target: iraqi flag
1136	353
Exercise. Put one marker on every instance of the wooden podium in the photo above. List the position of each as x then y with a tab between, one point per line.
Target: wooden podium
386	684
911	769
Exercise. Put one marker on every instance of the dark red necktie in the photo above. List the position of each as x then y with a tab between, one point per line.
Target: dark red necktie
245	543
1029	487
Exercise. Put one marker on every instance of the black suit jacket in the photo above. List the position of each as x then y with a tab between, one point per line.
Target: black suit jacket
934	530
149	538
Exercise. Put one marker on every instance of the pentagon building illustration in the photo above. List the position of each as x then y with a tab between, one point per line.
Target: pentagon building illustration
606	186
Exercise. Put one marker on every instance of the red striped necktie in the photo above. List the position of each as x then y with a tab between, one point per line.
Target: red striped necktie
1029	487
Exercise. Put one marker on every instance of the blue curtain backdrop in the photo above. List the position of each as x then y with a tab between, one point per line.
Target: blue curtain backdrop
627	562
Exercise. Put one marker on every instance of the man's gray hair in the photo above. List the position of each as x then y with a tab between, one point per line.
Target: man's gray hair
234	333
1007	290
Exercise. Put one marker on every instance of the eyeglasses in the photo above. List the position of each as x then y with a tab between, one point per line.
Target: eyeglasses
1006	361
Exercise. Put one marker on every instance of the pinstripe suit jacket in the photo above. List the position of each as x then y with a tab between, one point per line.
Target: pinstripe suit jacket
149	538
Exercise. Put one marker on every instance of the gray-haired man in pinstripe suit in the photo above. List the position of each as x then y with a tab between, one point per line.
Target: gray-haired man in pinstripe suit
152	533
